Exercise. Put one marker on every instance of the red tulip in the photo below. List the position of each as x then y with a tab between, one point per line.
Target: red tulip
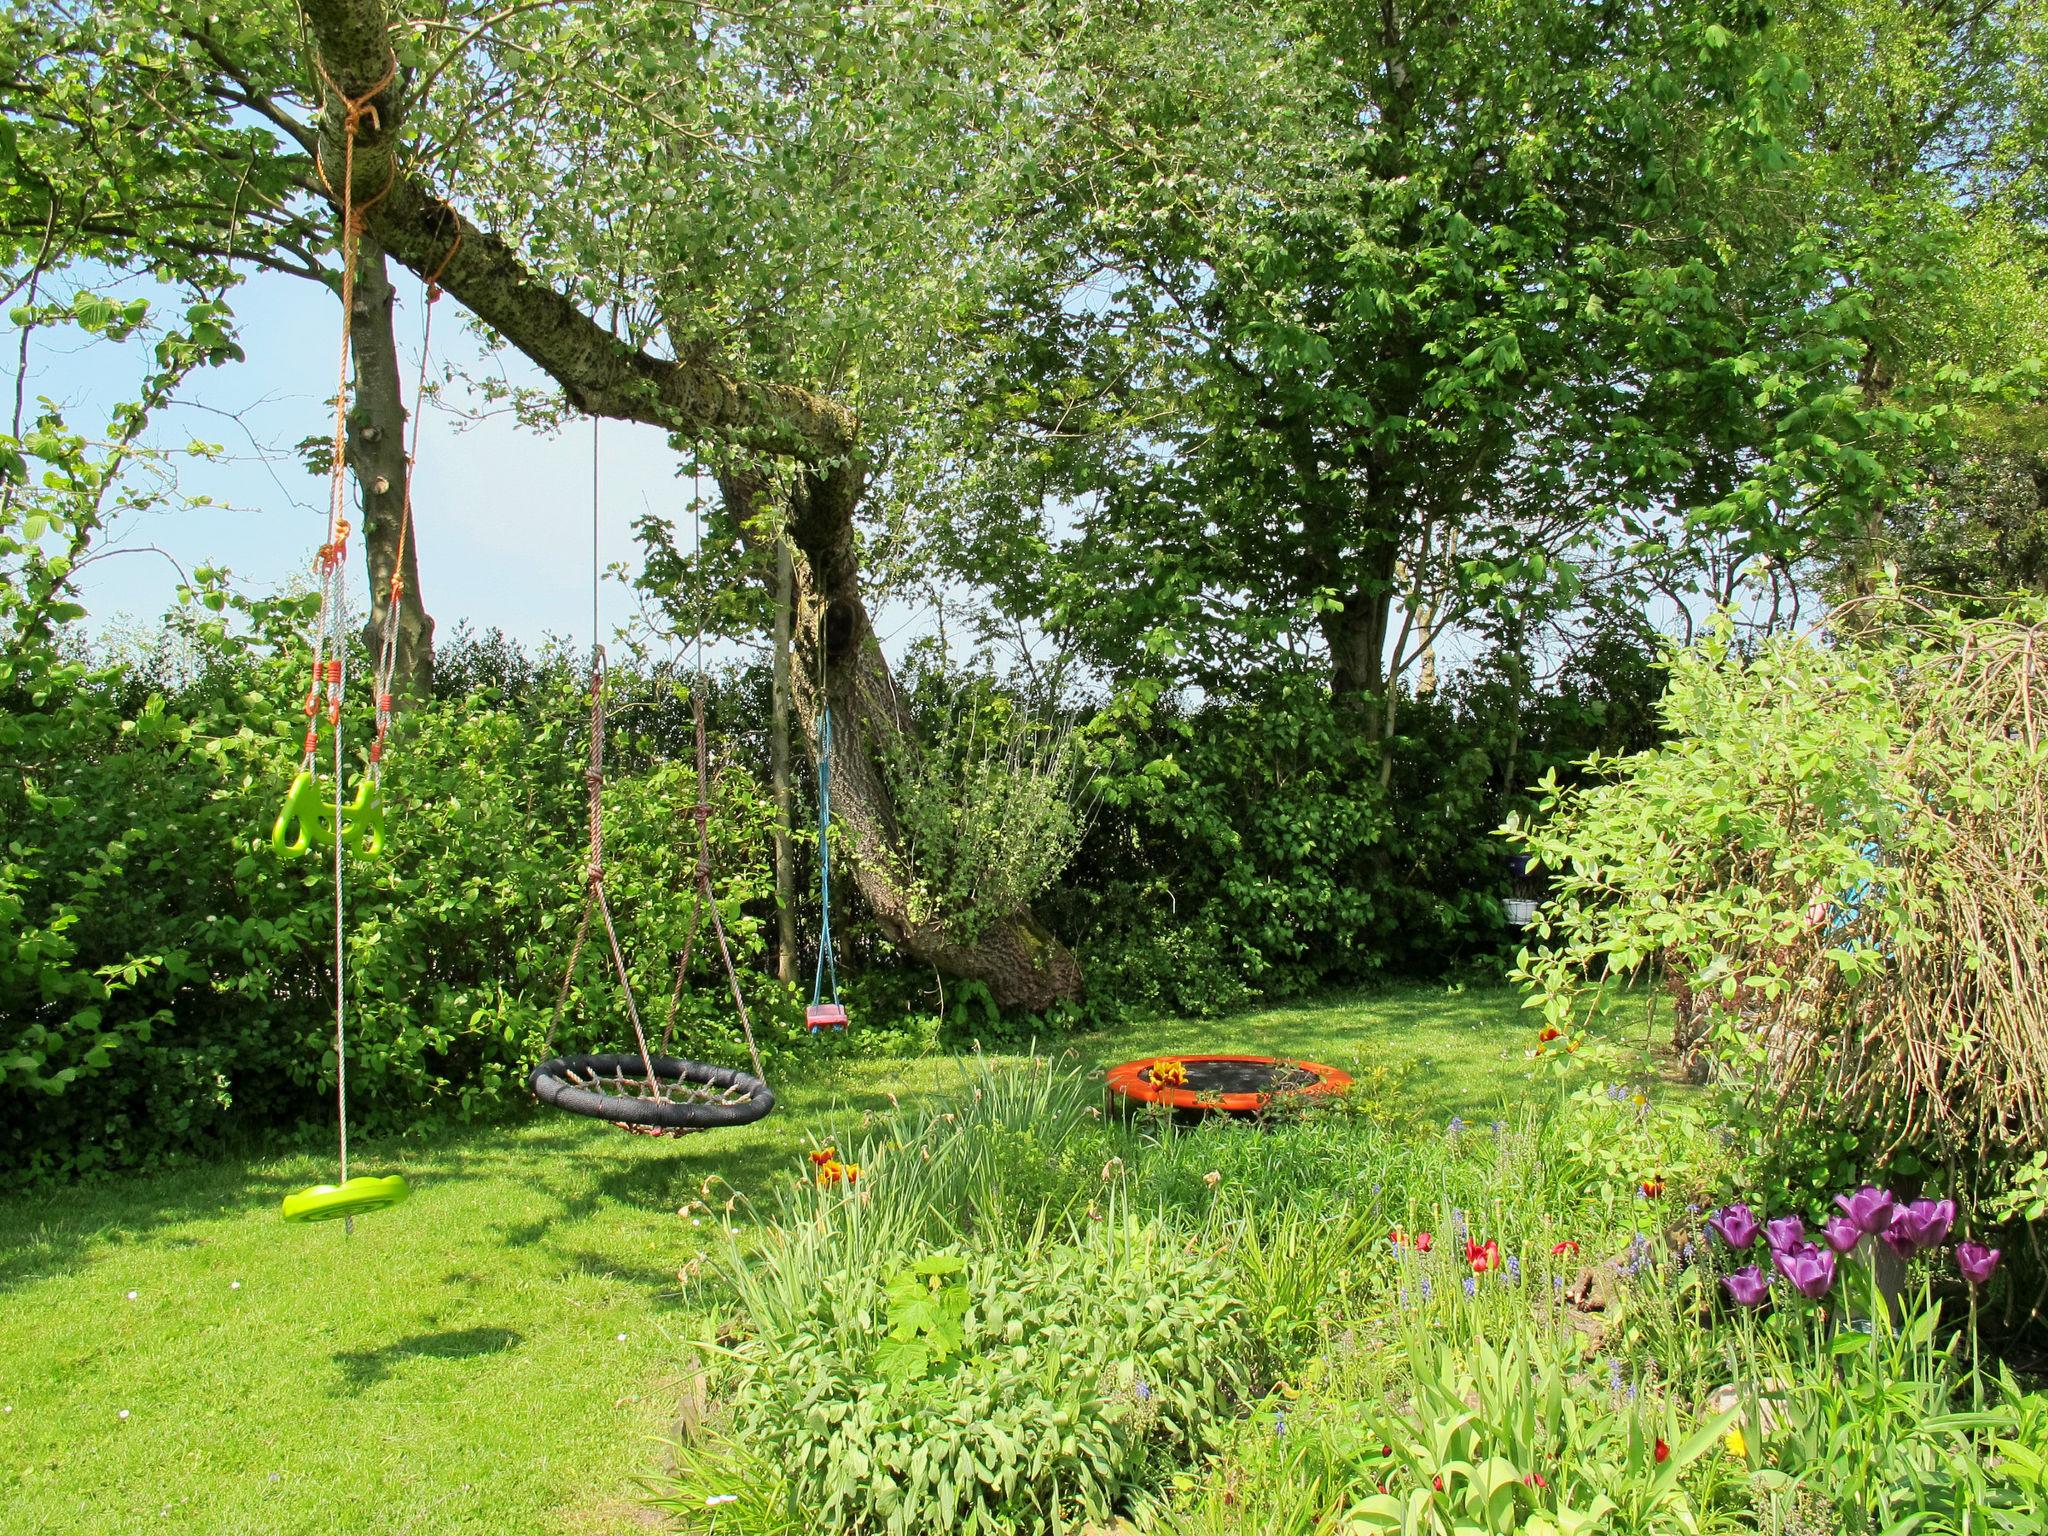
1565	1247
1662	1452
1482	1256
1424	1242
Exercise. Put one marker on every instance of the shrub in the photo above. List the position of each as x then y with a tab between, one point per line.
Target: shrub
1246	845
988	801
161	975
1842	857
1072	1361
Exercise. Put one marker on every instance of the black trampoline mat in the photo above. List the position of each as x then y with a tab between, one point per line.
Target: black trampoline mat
1241	1077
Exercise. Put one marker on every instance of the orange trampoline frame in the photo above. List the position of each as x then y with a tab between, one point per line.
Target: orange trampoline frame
1130	1083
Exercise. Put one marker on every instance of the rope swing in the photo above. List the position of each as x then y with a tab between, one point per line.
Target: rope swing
308	818
648	1092
821	1015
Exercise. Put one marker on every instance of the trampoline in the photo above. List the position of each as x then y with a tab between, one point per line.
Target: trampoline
1193	1086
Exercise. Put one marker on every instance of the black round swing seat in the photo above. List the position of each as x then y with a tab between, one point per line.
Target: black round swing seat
685	1096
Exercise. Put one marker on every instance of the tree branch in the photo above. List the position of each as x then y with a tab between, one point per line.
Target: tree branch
599	373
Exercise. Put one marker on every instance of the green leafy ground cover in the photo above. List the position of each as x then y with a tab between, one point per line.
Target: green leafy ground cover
501	1353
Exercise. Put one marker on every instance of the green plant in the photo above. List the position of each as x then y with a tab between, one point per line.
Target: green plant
1290	1265
989	803
927	1310
166	976
1843	826
1501	1439
1080	1354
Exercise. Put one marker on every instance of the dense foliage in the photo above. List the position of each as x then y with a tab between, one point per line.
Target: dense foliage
1524	1326
166	975
1835	860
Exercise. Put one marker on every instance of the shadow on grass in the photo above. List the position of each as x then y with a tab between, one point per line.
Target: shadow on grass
48	1229
1452	1050
365	1368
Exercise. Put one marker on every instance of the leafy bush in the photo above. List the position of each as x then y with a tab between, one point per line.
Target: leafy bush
1841	858
987	801
1247	846
929	1346
164	977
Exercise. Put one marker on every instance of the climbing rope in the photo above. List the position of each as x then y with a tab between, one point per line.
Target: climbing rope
387	654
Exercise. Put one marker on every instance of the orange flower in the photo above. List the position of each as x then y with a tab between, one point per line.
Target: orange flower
1652	1187
825	1155
1550	1032
831	1171
1169	1073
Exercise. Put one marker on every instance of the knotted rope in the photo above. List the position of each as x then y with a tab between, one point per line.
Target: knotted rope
330	646
707	902
594	898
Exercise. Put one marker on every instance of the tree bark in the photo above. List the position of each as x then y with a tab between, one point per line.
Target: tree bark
1356	634
1014	955
778	766
377	453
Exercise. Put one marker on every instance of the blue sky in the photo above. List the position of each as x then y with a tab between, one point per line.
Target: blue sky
502	512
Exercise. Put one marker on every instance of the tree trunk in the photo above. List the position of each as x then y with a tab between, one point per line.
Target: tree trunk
376	451
1022	964
778	762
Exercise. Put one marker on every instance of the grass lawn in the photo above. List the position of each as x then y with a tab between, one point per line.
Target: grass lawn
499	1354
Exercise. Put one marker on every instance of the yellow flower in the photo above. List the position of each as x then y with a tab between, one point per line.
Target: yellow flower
1736	1443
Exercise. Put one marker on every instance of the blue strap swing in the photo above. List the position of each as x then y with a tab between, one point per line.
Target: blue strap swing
821	1015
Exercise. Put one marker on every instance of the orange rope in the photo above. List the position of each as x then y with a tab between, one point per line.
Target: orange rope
332	670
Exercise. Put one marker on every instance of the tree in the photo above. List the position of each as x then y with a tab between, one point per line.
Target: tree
502	103
1424	310
1929	128
132	146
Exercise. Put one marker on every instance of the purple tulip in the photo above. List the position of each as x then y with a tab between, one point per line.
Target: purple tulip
1976	1262
1747	1287
1917	1227
1931	1221
1810	1268
1870	1207
1785	1232
1842	1234
1736	1223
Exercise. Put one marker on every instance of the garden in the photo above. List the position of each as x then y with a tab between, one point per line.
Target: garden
1280	768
